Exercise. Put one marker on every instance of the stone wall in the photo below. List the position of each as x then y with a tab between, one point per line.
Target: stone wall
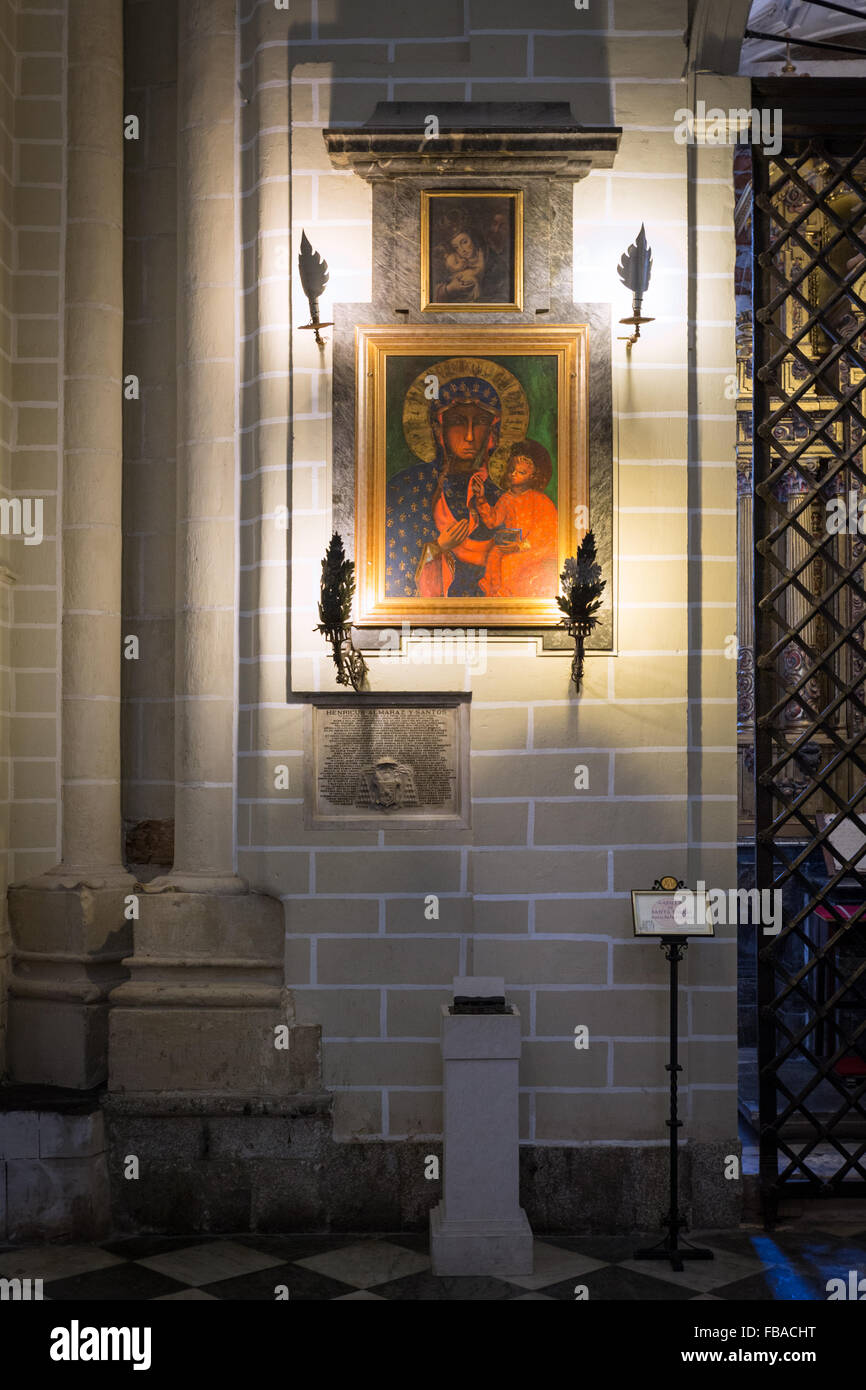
538	891
31	278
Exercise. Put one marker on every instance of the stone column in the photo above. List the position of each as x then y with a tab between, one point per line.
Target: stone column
69	930
197	1015
205	616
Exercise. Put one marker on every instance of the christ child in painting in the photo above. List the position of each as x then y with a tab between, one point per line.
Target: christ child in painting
464	262
522	562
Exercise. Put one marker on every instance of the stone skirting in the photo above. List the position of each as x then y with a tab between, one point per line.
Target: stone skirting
53	1171
273	1167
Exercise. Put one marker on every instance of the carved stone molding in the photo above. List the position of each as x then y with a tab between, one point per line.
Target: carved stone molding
474	139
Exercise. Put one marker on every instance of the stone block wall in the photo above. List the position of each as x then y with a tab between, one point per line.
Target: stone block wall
31	332
538	890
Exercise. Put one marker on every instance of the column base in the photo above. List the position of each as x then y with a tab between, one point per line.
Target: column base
68	948
480	1247
231	885
204	1011
65	877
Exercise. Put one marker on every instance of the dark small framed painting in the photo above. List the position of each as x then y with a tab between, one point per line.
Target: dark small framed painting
471	250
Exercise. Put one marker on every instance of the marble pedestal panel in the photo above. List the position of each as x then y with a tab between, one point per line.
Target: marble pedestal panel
479	1226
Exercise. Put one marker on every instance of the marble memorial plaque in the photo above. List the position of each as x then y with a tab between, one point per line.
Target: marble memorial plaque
398	761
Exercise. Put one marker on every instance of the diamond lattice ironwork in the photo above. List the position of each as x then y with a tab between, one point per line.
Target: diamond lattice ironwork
810	663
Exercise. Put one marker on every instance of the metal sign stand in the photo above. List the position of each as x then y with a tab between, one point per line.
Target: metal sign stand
671	1247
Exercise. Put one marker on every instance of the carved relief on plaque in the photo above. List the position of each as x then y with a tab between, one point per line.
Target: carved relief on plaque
402	760
387	785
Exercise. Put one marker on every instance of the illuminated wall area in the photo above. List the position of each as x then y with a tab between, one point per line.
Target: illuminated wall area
538	890
176	902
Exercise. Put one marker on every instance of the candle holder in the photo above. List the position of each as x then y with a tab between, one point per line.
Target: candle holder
335	607
314	277
580	600
634	270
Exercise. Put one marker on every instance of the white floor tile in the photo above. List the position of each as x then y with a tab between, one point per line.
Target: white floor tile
551	1264
205	1264
367	1264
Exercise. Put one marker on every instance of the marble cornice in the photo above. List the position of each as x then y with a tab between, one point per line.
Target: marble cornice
476	140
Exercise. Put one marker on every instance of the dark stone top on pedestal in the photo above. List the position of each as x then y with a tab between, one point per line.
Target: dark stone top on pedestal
475	138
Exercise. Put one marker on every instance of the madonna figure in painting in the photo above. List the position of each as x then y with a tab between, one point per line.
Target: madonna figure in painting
475	520
470	471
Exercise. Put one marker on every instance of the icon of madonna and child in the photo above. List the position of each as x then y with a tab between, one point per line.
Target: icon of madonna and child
475	515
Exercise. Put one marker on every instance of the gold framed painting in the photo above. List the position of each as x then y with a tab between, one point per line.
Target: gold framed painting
471	250
471	471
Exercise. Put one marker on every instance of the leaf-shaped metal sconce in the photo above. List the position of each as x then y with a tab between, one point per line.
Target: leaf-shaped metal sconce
635	269
314	278
580	600
335	613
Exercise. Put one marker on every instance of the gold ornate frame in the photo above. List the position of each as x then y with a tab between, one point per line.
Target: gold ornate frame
430	306
569	345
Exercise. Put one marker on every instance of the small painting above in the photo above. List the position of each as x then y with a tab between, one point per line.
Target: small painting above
471	250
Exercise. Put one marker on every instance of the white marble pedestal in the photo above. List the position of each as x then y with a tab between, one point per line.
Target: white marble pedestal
479	1227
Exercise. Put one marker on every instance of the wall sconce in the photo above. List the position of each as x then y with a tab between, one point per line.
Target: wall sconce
314	278
634	270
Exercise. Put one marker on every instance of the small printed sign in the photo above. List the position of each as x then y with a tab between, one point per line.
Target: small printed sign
671	913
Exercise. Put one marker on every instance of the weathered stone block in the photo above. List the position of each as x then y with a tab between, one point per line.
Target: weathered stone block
71	1136
77	920
49	1199
286	1196
57	1043
19	1134
197	1049
249	1137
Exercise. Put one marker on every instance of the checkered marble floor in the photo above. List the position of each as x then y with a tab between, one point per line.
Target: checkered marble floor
793	1262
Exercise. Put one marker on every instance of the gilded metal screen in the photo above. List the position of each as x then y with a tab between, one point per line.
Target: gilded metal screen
809	418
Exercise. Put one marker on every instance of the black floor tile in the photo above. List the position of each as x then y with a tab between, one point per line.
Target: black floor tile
445	1288
416	1241
299	1246
778	1285
744	1243
143	1247
303	1285
611	1249
614	1283
117	1282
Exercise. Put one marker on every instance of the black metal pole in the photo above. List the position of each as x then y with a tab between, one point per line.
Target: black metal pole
804	43
670	1247
674	955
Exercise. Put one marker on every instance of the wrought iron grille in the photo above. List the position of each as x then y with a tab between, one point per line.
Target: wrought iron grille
809	422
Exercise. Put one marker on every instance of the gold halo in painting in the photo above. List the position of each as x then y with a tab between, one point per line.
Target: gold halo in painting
515	407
